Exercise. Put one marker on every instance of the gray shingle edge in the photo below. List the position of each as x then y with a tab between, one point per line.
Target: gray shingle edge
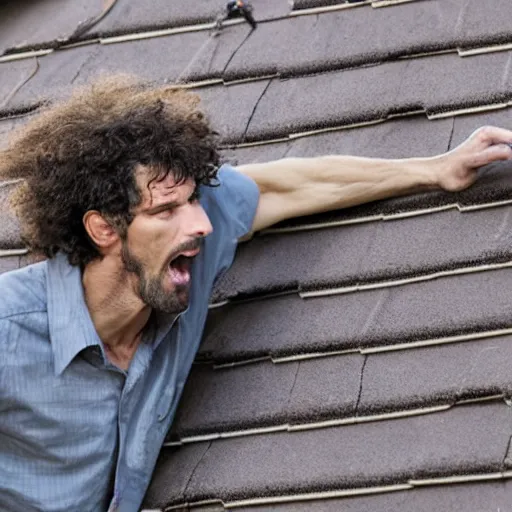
353	420
345	493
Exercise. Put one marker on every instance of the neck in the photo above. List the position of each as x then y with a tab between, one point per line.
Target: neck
119	316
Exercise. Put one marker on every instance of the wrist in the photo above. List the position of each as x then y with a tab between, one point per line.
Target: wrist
427	172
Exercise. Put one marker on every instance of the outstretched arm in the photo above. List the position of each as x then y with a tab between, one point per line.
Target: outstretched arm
293	187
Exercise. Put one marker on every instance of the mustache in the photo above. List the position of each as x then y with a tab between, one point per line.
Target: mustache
191	245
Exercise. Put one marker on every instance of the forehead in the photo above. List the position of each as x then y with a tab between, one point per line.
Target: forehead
158	191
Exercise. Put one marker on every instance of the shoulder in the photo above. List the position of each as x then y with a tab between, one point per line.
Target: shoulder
23	291
232	202
231	205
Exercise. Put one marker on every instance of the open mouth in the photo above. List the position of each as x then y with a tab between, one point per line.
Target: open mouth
179	270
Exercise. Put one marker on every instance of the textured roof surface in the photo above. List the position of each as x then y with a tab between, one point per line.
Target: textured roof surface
357	360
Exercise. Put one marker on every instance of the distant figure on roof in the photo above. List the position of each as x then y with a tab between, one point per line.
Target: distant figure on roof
123	193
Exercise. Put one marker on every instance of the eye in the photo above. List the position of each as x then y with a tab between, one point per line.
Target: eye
163	214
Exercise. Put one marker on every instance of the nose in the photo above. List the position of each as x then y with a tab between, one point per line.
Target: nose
198	225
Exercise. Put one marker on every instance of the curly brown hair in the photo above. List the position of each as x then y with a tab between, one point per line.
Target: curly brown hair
81	155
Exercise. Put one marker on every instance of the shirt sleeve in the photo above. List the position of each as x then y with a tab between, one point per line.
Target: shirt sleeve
231	207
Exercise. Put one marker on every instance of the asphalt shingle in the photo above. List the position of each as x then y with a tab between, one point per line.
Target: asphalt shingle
374	251
328	71
261	394
336	40
436	374
445	498
128	16
54	78
337	99
265	394
448	306
175	481
464	440
36	24
477	27
63	69
14	75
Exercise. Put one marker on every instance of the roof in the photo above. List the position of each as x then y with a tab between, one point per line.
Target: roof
358	359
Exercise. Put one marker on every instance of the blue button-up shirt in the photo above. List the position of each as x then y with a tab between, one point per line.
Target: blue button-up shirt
76	433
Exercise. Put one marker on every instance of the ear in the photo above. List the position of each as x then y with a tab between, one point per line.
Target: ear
100	231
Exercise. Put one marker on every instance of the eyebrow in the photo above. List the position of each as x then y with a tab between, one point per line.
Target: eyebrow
171	204
162	207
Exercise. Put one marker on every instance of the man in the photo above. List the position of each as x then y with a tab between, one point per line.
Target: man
121	192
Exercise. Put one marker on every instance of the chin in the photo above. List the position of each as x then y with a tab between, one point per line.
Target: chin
175	302
182	297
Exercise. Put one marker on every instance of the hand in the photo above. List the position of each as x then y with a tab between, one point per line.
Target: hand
458	168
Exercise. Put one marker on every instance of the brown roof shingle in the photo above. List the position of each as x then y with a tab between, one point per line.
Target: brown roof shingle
298	385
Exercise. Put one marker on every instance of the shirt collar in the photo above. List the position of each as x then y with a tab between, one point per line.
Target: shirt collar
70	325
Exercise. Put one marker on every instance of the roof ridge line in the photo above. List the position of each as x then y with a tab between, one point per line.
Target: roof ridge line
340	422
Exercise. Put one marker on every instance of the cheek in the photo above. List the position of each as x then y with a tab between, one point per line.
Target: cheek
154	237
146	243
158	239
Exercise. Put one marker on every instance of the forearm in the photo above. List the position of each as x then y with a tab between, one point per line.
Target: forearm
355	180
303	186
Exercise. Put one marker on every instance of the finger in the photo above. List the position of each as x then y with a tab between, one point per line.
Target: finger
494	135
493	154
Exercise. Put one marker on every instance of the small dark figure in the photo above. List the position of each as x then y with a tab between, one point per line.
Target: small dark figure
237	8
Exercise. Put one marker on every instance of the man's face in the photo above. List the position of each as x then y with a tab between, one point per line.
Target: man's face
162	240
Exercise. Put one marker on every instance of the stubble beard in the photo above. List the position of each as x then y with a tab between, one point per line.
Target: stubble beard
150	289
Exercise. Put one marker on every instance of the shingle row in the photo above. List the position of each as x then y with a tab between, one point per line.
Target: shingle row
229	107
130	16
371	252
464	440
335	99
159	59
287	325
303	392
277	108
32	25
333	40
267	394
341	39
472	497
